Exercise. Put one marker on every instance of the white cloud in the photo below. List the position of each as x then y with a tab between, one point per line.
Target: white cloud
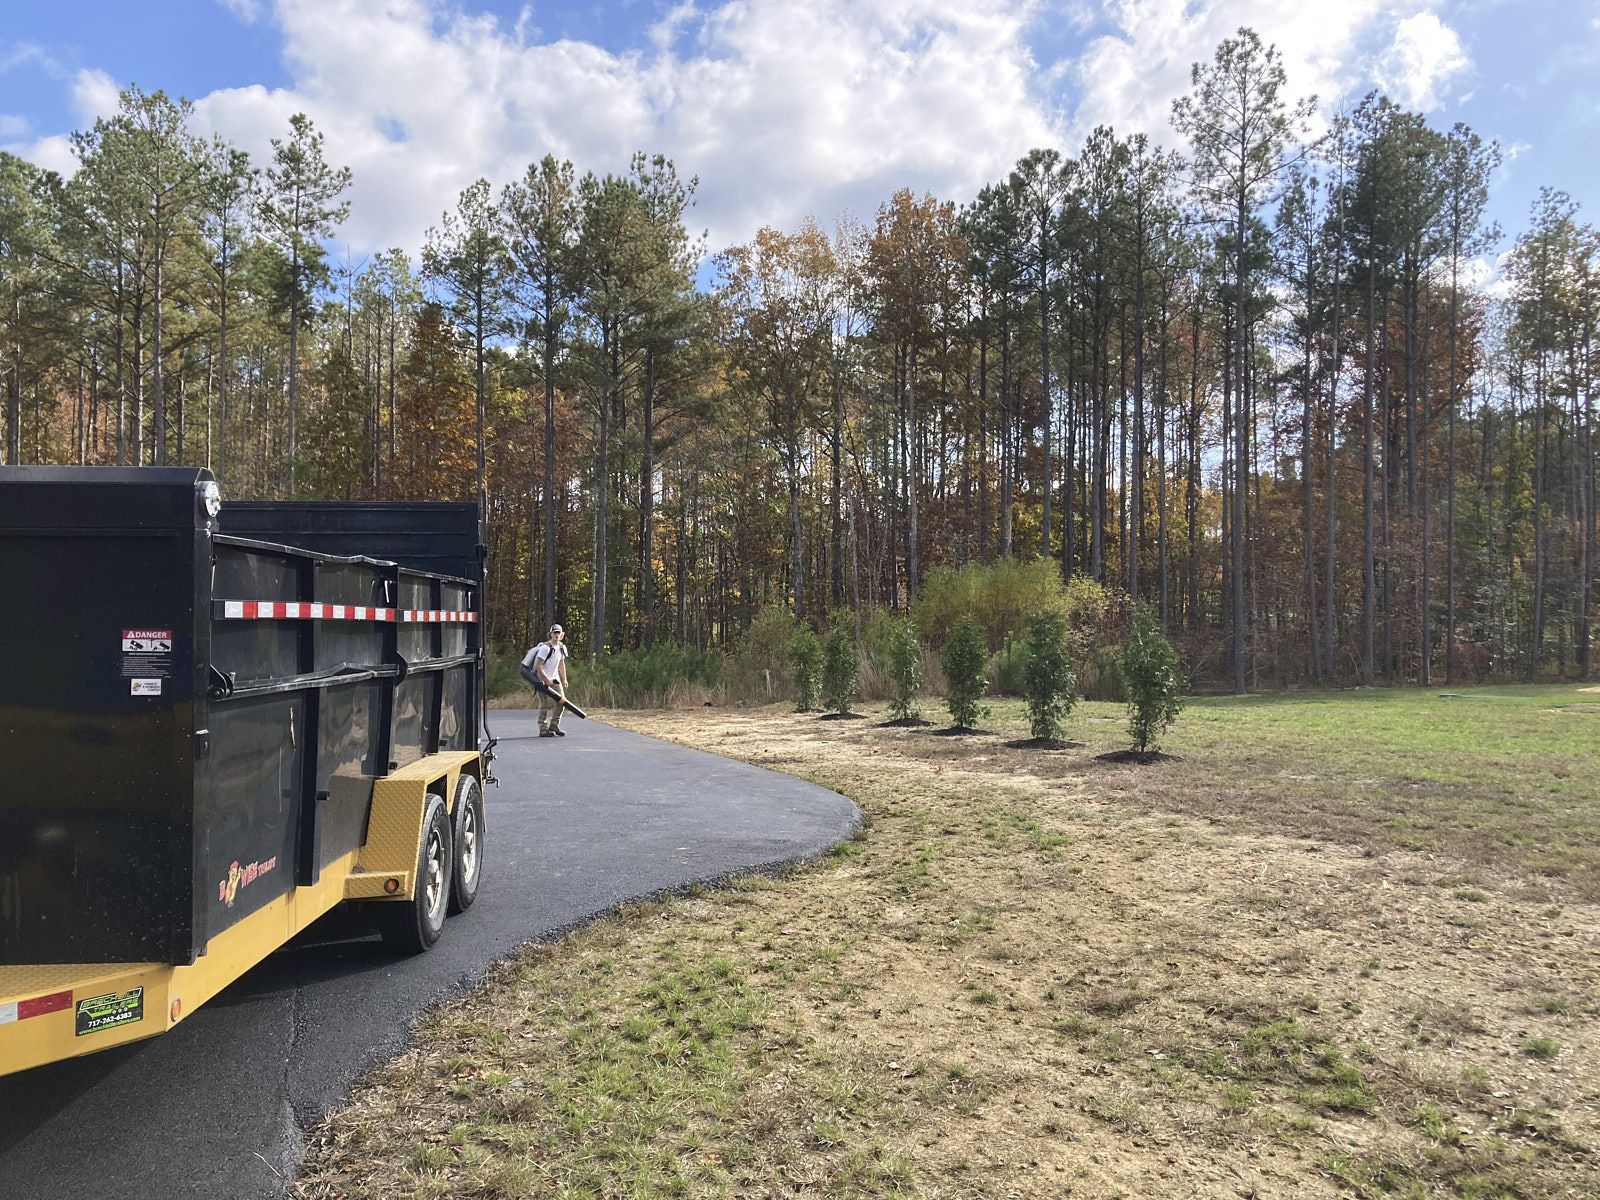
1492	278
1130	77
53	153
13	126
1425	55
94	94
781	109
23	53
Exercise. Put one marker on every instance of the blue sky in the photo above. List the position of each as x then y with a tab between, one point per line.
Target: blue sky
781	109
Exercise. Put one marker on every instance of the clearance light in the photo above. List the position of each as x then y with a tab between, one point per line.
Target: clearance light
391	885
177	1010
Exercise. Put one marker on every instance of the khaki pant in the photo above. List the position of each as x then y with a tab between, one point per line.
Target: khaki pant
550	709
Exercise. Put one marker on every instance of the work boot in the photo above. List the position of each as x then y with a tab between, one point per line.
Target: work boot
547	733
559	732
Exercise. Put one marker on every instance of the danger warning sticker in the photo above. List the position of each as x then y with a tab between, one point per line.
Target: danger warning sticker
147	659
147	641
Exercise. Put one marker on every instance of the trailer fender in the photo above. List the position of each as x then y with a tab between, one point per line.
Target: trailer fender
387	863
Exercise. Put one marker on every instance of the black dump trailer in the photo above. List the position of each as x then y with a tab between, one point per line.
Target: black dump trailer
217	722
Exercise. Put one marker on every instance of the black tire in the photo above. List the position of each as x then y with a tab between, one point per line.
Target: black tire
415	925
468	833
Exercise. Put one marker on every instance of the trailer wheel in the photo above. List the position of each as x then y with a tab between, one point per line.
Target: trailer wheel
468	840
415	926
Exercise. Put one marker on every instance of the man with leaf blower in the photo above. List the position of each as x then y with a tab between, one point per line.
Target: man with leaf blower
545	667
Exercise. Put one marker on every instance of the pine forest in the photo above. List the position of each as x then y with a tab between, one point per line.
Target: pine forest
1262	384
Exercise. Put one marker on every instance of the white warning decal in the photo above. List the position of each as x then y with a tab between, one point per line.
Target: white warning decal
147	657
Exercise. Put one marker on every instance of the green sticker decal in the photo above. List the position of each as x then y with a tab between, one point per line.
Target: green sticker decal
107	1012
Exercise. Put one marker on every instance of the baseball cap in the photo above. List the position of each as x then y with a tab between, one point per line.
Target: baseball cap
557	629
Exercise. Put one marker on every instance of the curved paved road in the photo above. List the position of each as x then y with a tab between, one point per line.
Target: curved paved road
215	1108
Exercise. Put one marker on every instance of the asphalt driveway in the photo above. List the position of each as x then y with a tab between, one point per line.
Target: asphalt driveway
216	1107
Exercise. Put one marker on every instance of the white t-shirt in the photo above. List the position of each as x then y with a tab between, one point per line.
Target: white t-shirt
548	656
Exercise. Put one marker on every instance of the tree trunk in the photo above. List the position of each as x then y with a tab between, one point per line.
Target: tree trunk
1307	458
796	546
294	362
1007	425
14	408
1241	462
1136	519
138	379
913	561
158	392
647	504
1162	408
983	441
836	464
222	371
549	470
477	371
1044	379
1587	559
1367	565
1331	469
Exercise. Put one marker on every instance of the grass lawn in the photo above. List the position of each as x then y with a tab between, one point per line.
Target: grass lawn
1340	944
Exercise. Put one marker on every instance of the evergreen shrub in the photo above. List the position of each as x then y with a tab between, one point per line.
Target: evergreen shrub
805	658
903	650
965	661
841	666
1148	667
1048	676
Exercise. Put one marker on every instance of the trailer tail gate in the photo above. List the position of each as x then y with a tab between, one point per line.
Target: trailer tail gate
204	737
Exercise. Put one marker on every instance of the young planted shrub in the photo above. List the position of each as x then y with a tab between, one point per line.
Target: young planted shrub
904	650
1148	666
841	664
805	657
1048	678
965	660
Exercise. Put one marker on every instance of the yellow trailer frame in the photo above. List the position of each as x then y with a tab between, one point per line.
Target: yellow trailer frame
49	1013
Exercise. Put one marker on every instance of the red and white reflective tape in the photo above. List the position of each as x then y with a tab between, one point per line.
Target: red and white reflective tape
280	610
436	616
289	610
38	1006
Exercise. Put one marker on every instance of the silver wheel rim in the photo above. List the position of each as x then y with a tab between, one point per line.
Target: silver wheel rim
469	840
434	890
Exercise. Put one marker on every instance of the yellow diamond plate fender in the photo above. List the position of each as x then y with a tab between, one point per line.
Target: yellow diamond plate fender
394	830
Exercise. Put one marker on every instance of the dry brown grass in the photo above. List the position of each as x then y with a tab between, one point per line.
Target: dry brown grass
1030	977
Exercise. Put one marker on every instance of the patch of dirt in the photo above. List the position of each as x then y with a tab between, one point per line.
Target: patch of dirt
904	723
958	731
1034	743
1141	758
851	716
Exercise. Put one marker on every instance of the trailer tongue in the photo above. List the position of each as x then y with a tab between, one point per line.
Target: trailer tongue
216	725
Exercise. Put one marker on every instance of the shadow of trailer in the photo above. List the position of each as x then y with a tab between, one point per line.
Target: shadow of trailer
217	723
